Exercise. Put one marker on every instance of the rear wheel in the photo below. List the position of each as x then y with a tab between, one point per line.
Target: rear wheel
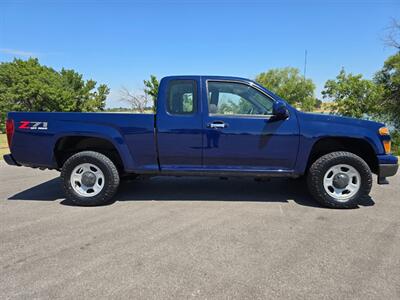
89	178
339	180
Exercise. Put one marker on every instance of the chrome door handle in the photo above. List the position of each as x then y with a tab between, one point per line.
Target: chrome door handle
217	125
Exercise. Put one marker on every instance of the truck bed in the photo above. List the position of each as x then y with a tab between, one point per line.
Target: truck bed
36	135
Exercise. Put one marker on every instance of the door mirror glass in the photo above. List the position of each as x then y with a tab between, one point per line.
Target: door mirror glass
280	111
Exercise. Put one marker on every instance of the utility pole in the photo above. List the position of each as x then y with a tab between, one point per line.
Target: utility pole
305	63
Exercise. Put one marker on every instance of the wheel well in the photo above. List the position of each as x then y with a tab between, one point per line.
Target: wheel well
357	146
68	146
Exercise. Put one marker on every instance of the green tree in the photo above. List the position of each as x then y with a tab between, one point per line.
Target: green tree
87	97
318	103
353	96
151	88
26	85
291	86
389	78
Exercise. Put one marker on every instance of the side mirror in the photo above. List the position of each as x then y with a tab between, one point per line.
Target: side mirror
280	111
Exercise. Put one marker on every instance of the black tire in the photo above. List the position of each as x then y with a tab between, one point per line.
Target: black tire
319	168
111	178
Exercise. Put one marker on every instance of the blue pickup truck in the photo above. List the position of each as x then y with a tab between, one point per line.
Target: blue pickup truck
206	126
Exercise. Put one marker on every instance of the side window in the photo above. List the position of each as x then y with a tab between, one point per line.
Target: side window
181	97
231	98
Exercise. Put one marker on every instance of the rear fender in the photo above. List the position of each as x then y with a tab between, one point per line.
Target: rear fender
107	133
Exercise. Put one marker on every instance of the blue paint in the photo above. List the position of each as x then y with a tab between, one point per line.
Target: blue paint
249	144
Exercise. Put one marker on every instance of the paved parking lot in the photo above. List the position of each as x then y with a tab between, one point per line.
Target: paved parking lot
170	238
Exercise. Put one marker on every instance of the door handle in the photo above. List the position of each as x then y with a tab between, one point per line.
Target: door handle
217	125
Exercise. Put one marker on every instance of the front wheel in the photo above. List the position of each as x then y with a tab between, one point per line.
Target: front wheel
89	178
339	180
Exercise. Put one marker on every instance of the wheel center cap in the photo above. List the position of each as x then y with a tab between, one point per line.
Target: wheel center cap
88	179
340	180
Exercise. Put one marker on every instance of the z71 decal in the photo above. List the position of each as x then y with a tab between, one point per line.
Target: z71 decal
32	125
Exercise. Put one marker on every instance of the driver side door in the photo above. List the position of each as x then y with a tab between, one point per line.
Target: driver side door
240	133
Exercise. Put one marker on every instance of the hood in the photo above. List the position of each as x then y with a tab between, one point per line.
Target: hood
334	119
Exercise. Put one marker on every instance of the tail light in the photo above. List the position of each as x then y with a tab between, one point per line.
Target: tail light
10	131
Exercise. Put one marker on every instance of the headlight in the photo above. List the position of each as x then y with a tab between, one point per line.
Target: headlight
383	131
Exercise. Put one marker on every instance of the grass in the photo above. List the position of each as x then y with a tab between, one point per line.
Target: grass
3	146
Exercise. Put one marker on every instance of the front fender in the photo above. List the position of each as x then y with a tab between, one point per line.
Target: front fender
316	127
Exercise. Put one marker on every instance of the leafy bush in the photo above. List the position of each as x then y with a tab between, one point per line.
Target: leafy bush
396	142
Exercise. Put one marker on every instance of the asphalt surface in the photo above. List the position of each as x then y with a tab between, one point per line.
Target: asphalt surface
172	238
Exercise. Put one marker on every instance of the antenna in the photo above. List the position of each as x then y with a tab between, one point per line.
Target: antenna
305	63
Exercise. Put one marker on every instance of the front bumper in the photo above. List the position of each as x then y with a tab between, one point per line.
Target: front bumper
10	160
388	166
387	170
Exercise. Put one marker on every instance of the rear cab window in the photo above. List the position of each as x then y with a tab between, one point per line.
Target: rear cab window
182	97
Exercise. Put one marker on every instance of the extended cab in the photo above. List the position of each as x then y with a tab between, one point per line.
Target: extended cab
205	125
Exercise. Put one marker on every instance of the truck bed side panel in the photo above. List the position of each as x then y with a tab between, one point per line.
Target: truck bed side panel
131	134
